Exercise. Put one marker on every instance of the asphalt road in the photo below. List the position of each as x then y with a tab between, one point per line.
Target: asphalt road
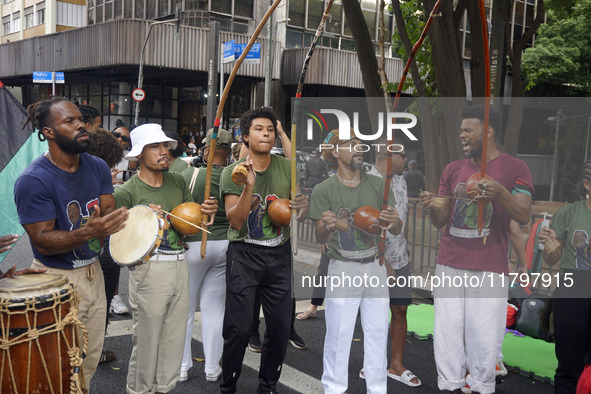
302	368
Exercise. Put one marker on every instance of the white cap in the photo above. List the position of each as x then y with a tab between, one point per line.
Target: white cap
146	134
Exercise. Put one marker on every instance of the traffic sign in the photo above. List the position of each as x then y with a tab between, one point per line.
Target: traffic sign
138	94
46	77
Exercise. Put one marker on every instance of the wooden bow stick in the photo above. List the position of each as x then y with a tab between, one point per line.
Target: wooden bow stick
186	221
389	172
294	122
486	107
218	115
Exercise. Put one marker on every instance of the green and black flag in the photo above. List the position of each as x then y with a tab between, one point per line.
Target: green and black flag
18	148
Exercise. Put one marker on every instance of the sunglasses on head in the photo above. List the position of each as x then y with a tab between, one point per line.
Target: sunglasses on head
124	138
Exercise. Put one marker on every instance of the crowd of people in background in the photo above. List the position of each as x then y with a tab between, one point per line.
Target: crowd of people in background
249	259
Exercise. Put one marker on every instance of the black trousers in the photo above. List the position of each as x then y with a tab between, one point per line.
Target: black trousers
111	272
572	331
318	292
266	270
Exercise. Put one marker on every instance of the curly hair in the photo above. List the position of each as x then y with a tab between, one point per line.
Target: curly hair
586	176
105	146
248	116
40	115
477	111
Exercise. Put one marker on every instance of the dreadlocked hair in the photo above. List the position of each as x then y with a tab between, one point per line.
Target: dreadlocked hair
88	112
585	177
40	115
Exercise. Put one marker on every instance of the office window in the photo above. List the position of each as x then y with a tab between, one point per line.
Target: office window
118	11
6	25
315	11
293	39
40	13
163	7
16	22
139	9
222	6
99	11
196	5
150	9
297	13
29	18
333	23
108	10
244	8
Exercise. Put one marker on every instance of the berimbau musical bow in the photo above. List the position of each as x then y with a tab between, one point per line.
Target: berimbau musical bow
486	107
389	172
294	122
218	114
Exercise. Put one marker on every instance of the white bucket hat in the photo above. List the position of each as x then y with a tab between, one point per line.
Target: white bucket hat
149	133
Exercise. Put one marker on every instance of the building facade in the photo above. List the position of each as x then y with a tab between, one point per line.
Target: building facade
101	57
23	19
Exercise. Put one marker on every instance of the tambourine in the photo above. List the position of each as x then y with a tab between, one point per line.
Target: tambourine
140	238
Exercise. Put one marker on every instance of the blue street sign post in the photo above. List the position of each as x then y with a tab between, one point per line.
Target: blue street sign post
49	77
253	56
228	55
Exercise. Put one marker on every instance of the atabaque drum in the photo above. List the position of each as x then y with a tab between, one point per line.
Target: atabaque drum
42	340
140	238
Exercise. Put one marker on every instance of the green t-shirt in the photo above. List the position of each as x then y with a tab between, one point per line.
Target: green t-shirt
174	191
178	166
332	195
219	228
271	184
572	223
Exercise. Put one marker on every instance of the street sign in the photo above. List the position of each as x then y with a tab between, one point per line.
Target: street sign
46	77
228	49
253	56
138	95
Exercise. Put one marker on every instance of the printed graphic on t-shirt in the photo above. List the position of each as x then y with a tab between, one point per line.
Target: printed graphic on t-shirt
582	250
259	224
464	222
351	245
79	219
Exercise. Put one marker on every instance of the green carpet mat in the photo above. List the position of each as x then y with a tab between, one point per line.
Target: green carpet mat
525	355
530	357
420	321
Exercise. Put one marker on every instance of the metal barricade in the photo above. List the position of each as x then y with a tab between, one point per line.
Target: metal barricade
422	237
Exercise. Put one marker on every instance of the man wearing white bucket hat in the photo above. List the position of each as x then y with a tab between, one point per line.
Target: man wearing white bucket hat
159	289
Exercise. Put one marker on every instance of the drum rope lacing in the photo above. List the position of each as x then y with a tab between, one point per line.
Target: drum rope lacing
30	307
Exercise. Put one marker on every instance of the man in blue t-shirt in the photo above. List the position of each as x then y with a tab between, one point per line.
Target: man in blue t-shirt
65	203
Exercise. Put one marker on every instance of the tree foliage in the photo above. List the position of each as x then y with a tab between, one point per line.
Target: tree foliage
413	15
562	52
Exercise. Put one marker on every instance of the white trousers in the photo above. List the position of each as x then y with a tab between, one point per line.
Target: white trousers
467	331
342	306
209	277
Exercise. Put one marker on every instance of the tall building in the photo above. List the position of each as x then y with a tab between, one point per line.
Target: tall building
23	19
100	59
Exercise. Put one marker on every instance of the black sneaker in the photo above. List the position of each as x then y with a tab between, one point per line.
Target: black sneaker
254	344
296	341
107	356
